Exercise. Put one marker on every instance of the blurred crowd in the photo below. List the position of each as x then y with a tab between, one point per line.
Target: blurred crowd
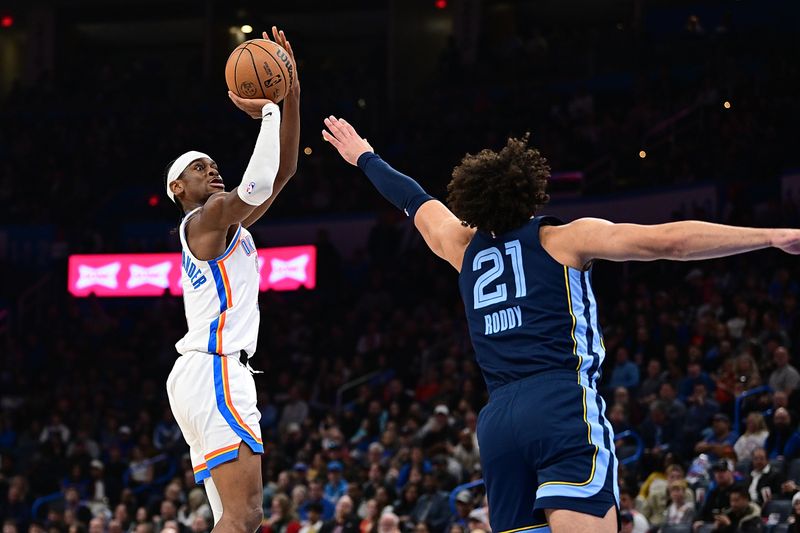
370	393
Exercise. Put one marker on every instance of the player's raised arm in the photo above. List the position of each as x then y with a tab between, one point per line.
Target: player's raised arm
585	239
442	231
225	209
290	129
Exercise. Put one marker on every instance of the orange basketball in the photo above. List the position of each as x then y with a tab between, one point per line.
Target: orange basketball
259	68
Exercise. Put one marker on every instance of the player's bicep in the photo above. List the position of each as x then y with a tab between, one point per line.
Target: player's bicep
594	238
443	232
223	210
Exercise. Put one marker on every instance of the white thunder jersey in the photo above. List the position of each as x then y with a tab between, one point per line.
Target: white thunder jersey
220	297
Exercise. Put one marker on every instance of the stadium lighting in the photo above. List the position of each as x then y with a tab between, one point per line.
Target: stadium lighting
307	150
726	104
642	154
247	28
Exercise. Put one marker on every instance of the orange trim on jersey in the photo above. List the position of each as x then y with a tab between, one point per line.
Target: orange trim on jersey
224	257
226	283
219	332
229	403
198	468
226	449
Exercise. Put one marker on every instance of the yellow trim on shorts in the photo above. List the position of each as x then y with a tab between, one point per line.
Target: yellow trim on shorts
585	419
526	528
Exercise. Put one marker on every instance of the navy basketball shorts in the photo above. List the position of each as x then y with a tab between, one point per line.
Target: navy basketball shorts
545	444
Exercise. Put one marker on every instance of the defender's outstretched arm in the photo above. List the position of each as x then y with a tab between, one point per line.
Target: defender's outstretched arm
442	231
586	239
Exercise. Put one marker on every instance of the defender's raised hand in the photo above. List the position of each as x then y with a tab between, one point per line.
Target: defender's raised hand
345	139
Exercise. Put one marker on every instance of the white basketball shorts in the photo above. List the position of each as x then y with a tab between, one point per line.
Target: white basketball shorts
213	399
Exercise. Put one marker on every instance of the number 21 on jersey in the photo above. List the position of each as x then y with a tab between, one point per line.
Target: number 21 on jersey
482	295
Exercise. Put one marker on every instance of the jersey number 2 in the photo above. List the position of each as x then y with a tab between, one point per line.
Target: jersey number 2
499	294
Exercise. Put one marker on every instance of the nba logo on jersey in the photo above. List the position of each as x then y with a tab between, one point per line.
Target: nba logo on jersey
251	187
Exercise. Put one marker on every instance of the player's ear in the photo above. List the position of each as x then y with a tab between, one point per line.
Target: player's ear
176	187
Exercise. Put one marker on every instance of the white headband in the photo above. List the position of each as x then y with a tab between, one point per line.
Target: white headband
179	166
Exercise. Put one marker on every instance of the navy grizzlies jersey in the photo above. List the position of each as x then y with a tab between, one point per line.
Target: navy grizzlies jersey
527	313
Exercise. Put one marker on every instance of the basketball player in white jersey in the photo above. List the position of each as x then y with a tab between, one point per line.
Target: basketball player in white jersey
211	390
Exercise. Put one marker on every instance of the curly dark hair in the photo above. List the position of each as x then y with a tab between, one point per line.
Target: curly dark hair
499	191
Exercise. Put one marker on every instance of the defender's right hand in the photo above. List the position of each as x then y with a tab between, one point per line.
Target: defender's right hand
345	139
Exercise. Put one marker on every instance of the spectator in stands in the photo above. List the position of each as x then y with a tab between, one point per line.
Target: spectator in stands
283	518
369	524
782	436
754	436
313	523
463	508
654	504
16	505
701	408
747	374
466	451
295	411
763	483
619	420
389	523
655	376
343	520
437	432
299	495
418	461
432	506
781	399
694	374
718	496
167	435
680	510
316	496
741	515
633	411
405	505
720	443
337	485
785	377
794	518
625	372
627	504
658	432
97	524
676	409
626	522
196	504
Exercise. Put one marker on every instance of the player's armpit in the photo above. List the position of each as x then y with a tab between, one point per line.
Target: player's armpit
443	232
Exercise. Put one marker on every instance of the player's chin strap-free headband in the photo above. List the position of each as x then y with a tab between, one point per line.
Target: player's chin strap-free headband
179	166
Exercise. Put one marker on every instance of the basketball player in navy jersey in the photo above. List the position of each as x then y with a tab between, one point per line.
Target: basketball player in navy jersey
211	390
546	447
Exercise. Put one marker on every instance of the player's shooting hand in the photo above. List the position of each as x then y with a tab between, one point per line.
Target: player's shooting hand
251	106
279	37
345	139
787	240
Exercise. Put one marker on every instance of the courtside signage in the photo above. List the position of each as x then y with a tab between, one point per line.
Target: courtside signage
280	269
